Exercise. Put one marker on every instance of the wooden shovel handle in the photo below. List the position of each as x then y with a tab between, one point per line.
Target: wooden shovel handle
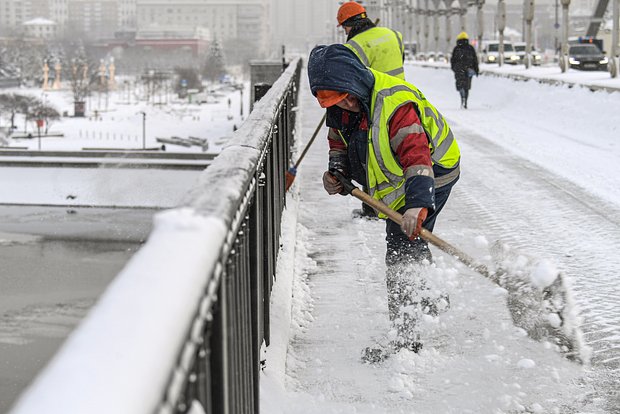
424	234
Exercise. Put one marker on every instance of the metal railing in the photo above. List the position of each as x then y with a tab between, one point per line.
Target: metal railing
180	328
223	373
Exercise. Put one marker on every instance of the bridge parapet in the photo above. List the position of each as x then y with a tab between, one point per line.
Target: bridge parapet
181	327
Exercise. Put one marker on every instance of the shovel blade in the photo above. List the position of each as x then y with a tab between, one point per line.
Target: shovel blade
542	306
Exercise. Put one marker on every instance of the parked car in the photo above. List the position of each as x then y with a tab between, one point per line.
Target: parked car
437	57
490	53
520	51
586	56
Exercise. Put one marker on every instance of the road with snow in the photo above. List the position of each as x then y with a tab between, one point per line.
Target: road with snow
539	172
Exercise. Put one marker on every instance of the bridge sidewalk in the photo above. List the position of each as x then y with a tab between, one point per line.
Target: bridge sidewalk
339	306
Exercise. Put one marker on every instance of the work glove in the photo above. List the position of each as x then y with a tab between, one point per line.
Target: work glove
331	184
411	223
340	162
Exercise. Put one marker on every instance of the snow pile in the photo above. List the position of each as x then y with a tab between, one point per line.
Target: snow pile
544	273
540	301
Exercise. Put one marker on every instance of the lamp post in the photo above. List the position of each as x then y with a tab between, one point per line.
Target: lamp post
143	129
418	12
436	13
614	61
564	52
501	26
528	16
556	26
448	4
427	12
480	22
40	123
462	14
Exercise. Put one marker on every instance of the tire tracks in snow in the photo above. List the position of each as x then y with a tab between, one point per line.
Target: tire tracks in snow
507	198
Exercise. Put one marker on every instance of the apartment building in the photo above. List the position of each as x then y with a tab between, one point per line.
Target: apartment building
243	21
93	18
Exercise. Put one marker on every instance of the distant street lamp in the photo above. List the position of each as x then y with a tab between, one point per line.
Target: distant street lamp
556	26
143	129
615	34
528	17
501	25
564	51
40	124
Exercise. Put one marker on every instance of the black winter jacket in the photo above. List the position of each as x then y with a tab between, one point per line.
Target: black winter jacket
463	58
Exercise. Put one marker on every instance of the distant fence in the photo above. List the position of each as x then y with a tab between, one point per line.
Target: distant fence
180	329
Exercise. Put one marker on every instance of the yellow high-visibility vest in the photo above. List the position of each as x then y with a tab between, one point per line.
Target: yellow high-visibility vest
381	49
385	176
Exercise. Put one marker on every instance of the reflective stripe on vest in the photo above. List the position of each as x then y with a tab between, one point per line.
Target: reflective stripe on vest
385	175
381	49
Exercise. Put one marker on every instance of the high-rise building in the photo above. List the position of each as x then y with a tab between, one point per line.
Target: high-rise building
92	19
245	22
59	12
301	24
127	14
12	14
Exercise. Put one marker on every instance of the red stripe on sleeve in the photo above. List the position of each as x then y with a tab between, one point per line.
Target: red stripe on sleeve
414	149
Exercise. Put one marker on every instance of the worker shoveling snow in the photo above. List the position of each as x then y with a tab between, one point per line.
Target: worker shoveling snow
538	295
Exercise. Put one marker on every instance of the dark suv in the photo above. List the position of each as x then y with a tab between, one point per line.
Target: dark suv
586	57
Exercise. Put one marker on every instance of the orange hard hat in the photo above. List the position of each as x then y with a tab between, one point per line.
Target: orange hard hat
348	10
329	98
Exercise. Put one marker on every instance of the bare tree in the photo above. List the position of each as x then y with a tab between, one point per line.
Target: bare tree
18	104
82	76
47	113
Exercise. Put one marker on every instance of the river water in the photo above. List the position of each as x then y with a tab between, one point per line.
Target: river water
54	264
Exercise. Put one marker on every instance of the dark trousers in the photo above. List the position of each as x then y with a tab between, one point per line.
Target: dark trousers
408	295
399	247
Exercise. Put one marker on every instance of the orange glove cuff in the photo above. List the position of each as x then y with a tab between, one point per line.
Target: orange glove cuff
421	217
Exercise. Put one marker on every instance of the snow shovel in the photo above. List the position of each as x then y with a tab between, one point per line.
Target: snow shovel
542	306
292	172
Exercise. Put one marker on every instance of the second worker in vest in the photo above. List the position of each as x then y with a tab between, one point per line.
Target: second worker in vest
378	48
387	137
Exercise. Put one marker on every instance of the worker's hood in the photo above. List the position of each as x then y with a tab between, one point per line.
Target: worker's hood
337	68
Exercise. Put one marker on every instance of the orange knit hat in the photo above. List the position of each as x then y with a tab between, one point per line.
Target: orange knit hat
329	98
348	10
